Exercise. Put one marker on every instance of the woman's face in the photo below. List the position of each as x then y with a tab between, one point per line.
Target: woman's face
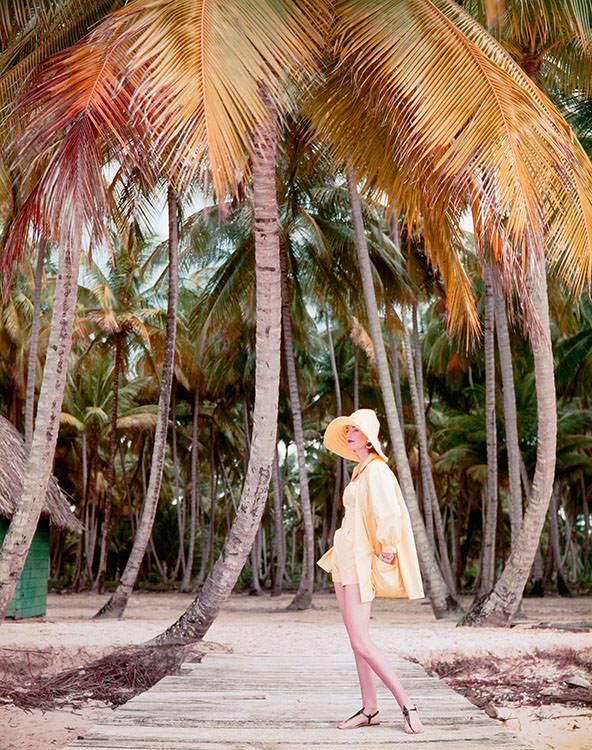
356	440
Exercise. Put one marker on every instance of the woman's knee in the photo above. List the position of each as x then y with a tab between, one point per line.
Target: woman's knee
360	643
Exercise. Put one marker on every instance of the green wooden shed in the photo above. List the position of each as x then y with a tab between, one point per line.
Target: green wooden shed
30	596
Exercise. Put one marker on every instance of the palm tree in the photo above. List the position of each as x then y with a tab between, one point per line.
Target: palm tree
116	312
118	600
197	619
440	597
550	43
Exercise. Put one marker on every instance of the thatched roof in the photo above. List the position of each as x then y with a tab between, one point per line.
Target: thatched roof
12	468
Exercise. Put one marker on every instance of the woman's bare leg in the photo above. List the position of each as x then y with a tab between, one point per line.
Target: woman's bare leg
365	677
356	617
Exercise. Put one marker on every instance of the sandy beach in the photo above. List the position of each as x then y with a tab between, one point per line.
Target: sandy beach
520	669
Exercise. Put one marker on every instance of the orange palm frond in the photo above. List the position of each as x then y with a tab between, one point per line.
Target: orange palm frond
74	115
199	67
422	101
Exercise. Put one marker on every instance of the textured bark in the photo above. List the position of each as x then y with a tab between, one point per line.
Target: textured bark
499	607
24	521
491	500
441	599
34	345
303	597
396	378
278	522
430	496
180	503
334	366
195	494
554	545
586	525
99	583
200	615
120	597
424	459
510	416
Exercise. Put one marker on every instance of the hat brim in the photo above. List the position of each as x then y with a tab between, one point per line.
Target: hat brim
335	439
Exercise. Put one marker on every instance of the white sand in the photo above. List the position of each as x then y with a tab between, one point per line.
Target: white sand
262	625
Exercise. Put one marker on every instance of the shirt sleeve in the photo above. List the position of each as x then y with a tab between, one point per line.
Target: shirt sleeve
384	498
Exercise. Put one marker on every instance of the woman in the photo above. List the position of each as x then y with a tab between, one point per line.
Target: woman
373	554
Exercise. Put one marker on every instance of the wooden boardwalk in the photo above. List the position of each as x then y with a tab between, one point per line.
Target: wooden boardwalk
268	702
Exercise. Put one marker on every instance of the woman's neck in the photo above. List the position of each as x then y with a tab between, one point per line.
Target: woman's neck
363	453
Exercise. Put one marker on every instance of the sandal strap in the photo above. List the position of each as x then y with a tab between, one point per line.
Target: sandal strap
406	710
363	713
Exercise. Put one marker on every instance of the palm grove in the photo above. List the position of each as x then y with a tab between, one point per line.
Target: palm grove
340	148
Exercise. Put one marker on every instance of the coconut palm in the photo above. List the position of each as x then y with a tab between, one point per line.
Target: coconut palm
117	314
118	601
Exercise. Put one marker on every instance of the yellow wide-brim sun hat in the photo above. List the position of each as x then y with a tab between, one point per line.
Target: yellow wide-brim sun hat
365	420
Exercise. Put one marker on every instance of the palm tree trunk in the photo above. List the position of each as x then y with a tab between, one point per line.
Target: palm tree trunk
356	378
424	459
334	365
396	377
128	494
278	521
179	503
195	495
303	598
120	597
430	496
24	521
34	344
510	416
586	525
491	499
340	462
200	615
441	599
99	584
554	546
213	490
499	607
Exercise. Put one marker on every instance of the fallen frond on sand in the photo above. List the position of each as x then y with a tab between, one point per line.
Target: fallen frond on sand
114	678
543	677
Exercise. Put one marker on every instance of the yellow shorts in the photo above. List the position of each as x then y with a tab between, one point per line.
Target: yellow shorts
343	567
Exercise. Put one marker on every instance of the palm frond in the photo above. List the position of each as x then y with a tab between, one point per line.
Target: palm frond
199	68
421	101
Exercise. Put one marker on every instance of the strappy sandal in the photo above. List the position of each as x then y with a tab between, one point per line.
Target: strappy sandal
369	717
408	719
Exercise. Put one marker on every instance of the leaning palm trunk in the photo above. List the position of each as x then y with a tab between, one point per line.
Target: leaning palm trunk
194	495
510	416
118	601
441	599
180	506
424	459
303	597
99	583
24	521
488	545
278	523
196	621
34	344
431	504
498	607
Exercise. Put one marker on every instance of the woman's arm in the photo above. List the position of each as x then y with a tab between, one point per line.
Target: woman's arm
384	502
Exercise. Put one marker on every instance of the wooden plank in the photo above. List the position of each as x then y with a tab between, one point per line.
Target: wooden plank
265	702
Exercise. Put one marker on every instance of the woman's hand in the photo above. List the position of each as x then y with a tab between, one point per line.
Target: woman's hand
387	557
